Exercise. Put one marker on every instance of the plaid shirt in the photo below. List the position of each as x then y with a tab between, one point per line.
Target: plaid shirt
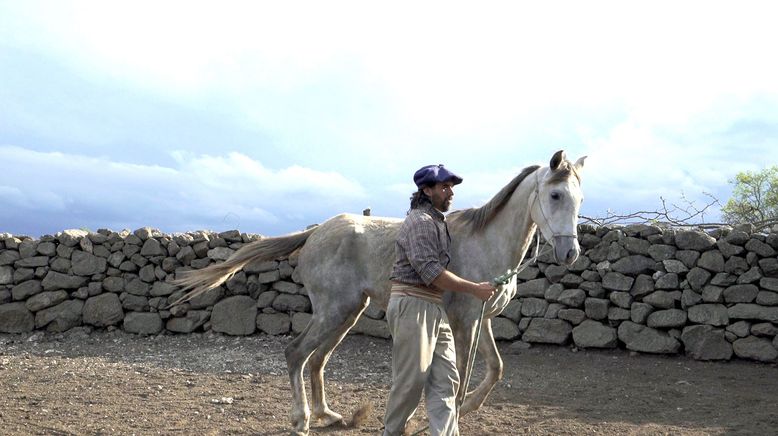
422	247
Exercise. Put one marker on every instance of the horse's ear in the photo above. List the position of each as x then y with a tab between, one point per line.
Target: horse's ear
579	164
557	159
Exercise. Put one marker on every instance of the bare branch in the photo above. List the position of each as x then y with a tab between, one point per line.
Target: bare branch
685	215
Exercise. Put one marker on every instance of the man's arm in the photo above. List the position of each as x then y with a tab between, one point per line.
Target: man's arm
452	282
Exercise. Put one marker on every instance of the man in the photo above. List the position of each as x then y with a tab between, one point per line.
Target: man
423	356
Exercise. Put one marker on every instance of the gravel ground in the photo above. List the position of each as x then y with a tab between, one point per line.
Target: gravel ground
85	382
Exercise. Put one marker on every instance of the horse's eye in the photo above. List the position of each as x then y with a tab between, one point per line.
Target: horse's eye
555	196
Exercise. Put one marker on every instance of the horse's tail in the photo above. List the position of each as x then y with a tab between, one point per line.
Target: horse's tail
203	280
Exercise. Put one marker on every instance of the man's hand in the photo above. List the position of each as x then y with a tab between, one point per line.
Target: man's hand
483	291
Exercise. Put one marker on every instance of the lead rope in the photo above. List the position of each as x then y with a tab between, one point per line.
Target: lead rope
497	281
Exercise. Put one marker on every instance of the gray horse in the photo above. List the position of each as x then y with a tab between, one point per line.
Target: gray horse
345	263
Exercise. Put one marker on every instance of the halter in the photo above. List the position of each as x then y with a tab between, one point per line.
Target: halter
554	234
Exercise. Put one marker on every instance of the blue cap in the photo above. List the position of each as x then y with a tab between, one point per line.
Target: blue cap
433	174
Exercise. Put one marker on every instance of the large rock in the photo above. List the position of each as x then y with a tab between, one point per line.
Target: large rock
504	329
712	261
513	311
639	312
274	323
694	240
740	294
703	342
54	281
767	298
755	348
71	237
534	307
235	316
208	298
220	253
729	250
596	308
633	265
15	318
661	252
617	282
32	262
188	323
142	323
572	297
646	339
660	300
760	248
769	267
292	303
25	290
690	298
750	276
675	266
753	311
644	285
592	334
547	331
711	314
86	264
667	281
533	288
769	283
698	278
152	248
666	319
6	275
46	299
8	257
103	310
61	317
286	287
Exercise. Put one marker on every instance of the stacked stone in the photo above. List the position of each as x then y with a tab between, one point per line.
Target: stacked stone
655	290
646	288
109	279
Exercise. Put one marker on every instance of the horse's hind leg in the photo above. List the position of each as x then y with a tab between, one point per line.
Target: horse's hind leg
321	411
295	362
326	319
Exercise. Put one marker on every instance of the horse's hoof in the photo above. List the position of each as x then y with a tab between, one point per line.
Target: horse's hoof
328	418
298	433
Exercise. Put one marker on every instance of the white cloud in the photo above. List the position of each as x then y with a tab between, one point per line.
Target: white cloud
204	191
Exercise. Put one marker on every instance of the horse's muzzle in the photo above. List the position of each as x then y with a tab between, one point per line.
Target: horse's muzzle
566	249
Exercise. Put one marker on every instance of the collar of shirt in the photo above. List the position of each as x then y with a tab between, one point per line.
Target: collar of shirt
434	213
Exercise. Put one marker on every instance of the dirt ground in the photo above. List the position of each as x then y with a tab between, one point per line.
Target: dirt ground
86	382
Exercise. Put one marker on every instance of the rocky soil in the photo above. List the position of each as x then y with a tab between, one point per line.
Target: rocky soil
84	382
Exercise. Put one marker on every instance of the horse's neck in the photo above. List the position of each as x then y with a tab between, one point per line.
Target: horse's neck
513	225
504	241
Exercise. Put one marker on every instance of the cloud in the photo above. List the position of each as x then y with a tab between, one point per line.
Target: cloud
215	192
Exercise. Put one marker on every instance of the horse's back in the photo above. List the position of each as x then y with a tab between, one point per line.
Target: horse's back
349	252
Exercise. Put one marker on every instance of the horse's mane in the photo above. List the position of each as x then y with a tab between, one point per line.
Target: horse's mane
479	217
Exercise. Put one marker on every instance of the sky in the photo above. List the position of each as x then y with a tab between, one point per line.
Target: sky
270	116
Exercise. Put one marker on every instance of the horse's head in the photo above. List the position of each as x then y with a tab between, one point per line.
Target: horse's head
558	197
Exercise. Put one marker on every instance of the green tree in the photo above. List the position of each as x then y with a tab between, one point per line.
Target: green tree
754	197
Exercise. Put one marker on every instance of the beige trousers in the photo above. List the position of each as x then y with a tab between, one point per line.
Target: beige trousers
423	358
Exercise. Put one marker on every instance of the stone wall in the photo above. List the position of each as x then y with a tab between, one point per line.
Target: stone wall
644	288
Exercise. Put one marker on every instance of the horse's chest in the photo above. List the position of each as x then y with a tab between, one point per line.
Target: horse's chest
500	301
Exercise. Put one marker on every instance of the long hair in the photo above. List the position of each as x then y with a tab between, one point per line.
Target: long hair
419	199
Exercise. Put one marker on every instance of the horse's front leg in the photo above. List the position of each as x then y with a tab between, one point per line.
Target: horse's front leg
488	350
